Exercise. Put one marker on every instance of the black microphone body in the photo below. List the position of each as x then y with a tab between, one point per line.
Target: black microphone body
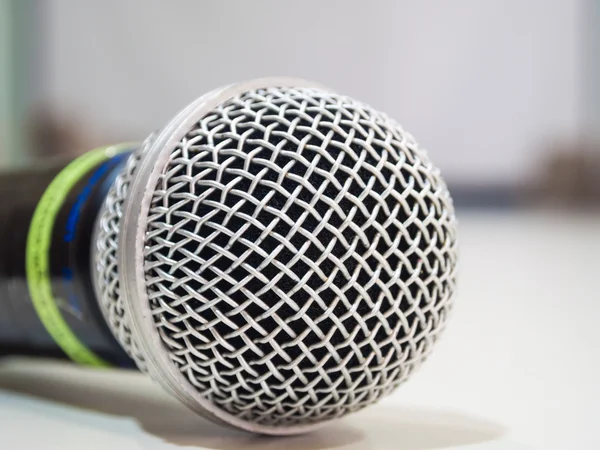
68	275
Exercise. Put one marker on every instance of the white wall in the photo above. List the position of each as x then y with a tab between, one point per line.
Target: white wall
481	84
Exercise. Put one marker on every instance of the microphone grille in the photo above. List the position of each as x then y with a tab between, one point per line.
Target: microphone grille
299	257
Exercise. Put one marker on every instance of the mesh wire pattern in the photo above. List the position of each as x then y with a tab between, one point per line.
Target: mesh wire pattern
105	255
300	256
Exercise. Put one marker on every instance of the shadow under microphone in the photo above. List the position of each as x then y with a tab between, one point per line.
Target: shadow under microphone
276	257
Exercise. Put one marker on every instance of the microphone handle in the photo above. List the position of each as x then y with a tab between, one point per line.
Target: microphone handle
47	302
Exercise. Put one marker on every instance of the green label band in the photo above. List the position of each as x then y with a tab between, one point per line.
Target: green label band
39	240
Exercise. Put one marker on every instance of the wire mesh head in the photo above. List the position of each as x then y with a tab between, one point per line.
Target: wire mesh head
298	257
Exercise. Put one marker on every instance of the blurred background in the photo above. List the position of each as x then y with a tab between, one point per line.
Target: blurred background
504	94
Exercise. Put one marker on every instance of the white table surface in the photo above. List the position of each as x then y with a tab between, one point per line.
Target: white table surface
517	368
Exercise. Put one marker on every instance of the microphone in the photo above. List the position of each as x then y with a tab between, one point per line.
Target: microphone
276	257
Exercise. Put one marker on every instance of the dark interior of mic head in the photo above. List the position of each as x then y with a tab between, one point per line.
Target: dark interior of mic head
295	253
